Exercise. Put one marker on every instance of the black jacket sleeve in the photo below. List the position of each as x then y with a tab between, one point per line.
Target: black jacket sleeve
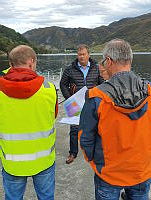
65	83
101	80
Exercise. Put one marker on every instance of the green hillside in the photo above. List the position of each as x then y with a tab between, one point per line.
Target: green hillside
135	30
9	38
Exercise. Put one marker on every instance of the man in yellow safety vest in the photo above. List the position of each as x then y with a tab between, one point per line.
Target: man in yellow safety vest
27	133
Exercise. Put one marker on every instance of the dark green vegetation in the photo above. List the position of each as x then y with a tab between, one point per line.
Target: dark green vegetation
9	38
136	30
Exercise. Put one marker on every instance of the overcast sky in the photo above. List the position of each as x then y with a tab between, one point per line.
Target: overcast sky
23	15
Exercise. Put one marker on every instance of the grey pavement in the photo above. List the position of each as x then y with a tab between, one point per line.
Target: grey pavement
74	181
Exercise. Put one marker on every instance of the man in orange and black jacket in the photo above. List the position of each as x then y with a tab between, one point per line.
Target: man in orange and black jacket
82	72
115	128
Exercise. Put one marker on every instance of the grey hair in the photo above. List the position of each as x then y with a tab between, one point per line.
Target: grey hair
119	51
83	46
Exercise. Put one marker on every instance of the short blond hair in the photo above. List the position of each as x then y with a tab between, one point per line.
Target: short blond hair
21	54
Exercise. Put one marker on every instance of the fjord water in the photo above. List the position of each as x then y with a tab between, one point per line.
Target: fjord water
53	63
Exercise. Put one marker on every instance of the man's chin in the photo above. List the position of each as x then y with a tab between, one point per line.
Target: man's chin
83	63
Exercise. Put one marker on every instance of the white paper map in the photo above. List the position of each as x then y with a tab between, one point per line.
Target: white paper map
73	107
70	120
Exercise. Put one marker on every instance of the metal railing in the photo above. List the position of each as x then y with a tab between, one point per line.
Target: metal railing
53	77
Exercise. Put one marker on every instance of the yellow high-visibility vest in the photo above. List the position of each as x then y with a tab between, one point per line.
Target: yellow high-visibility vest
27	132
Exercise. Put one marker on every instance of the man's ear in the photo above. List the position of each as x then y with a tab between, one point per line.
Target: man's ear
31	64
34	63
109	61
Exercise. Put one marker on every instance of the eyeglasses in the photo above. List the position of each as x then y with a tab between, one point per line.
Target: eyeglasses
103	61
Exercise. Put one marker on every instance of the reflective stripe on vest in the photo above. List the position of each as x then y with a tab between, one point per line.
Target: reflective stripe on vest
27	136
27	157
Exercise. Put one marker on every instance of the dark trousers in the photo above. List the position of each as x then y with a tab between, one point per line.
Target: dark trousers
73	140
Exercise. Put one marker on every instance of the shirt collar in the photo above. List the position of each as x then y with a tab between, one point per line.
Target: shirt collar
88	64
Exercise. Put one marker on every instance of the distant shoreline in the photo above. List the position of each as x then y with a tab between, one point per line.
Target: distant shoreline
73	54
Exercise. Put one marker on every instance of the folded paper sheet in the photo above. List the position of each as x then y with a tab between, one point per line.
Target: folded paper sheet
73	107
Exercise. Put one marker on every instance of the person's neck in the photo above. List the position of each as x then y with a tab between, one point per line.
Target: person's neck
118	68
24	67
84	65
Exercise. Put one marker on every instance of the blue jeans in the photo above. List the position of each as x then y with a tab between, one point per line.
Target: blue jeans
44	184
105	191
73	140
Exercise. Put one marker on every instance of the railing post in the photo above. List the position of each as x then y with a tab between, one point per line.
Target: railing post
60	74
48	76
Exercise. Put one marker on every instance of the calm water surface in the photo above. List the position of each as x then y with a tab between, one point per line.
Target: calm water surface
53	64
